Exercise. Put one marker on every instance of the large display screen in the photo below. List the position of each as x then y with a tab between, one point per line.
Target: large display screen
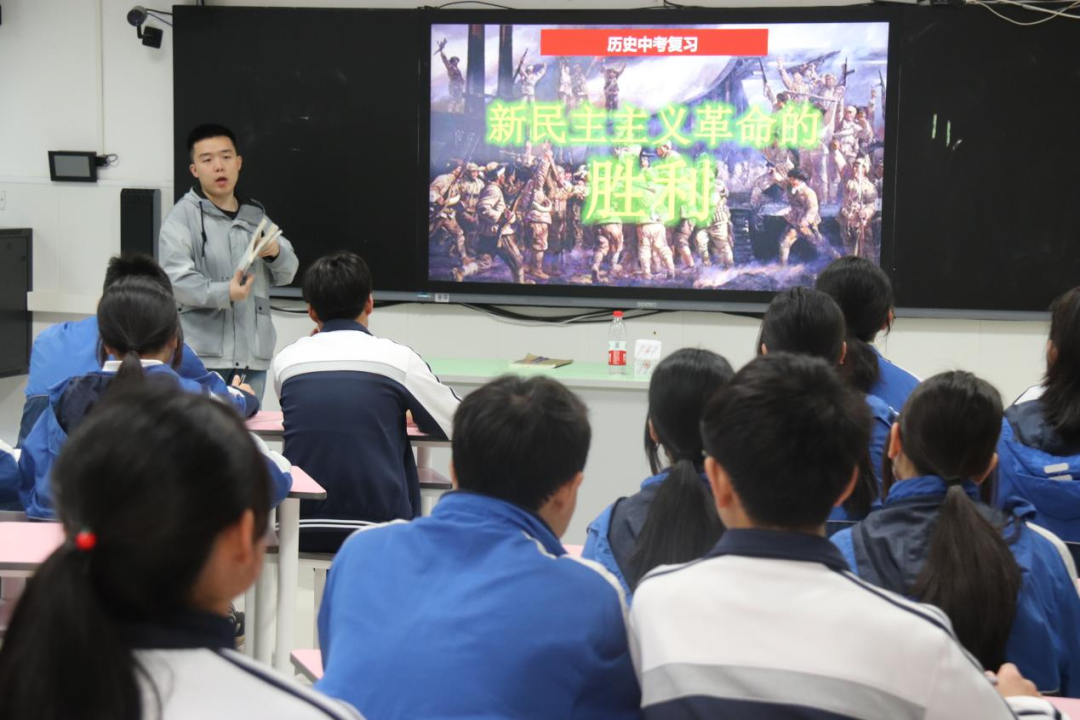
736	157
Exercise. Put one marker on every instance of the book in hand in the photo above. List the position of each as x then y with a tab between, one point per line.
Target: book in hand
259	240
539	361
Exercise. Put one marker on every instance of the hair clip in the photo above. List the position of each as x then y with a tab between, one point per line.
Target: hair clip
85	540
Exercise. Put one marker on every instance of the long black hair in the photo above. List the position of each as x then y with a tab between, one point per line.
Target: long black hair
156	475
136	316
949	427
809	322
682	523
865	295
1061	398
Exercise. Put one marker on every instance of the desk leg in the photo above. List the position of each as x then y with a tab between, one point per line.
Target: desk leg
423	457
264	609
251	620
288	561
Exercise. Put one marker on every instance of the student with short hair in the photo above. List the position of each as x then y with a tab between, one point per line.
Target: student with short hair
225	311
865	295
809	322
345	394
1040	442
672	518
138	324
163	497
1003	584
771	623
477	611
68	349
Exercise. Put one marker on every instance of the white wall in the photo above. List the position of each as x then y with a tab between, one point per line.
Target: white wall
73	76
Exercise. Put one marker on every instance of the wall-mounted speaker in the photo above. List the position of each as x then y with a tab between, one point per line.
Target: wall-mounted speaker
140	221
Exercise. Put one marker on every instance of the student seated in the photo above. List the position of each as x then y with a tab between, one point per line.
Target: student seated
69	349
1040	443
137	322
1004	585
865	295
477	611
345	394
672	518
163	498
771	624
809	322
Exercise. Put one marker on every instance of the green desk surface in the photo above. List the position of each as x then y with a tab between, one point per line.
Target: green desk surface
576	374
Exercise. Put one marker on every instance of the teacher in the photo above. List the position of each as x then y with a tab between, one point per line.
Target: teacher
224	312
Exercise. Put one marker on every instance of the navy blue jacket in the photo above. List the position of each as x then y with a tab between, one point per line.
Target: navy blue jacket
1038	467
890	547
475	612
344	394
69	403
882	417
69	349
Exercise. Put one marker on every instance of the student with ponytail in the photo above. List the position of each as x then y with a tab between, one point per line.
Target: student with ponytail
1040	443
139	325
163	497
672	519
809	322
865	295
1004	583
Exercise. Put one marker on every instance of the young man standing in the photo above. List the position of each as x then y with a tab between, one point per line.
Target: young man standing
771	623
477	611
345	394
225	312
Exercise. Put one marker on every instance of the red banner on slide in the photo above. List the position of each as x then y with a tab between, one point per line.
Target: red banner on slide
633	42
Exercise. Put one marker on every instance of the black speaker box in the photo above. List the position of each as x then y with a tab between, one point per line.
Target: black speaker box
16	279
140	221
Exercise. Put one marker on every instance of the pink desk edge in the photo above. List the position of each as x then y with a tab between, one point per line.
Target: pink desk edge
1071	706
271	421
303	486
25	545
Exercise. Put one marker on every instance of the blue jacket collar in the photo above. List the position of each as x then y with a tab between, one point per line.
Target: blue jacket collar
186	630
490	510
926	485
780	545
335	325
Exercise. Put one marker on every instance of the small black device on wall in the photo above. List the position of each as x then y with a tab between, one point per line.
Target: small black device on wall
16	279
74	166
140	221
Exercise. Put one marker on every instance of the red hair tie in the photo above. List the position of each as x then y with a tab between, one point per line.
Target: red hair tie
85	540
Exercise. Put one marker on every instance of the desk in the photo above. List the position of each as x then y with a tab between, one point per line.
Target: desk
308	663
25	545
257	613
577	375
1068	706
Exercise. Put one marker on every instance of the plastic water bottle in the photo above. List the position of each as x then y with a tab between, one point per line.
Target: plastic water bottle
616	345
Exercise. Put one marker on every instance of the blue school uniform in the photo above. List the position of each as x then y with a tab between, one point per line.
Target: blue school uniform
894	383
474	612
882	418
1039	467
69	349
69	402
613	534
890	547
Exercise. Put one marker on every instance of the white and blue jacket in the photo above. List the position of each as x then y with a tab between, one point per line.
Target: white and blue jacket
882	417
889	549
474	612
613	535
69	403
344	394
1038	467
69	349
770	625
894	383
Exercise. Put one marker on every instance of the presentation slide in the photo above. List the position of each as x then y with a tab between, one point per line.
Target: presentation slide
732	157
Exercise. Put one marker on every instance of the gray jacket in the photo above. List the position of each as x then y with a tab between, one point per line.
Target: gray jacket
224	334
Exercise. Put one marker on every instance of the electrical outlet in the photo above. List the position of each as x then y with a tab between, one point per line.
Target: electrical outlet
3	200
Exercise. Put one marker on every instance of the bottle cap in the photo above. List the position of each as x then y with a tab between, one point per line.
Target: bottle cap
617	313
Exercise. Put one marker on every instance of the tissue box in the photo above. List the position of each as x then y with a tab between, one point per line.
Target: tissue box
646	356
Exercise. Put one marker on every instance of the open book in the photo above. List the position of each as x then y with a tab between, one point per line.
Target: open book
539	361
259	240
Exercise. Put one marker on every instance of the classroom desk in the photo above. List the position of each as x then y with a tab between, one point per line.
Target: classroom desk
583	375
25	545
1068	706
257	614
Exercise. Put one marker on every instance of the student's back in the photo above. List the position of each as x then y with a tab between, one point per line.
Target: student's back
1040	443
476	611
771	623
672	518
344	394
864	293
127	619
